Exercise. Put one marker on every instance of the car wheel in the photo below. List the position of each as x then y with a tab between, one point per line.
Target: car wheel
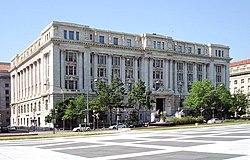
78	130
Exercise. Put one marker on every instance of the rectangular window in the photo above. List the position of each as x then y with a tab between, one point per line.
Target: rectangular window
129	62
101	39
65	34
163	45
101	59
189	49
218	69
115	41
158	45
242	80
7	85
216	52
90	37
179	66
179	76
190	67
222	53
235	81
116	61
71	35
7	92
129	42
219	52
77	36
199	67
179	49
74	70
199	51
190	77
154	44
7	105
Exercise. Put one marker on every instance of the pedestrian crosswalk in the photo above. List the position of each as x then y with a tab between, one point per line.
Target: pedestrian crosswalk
215	143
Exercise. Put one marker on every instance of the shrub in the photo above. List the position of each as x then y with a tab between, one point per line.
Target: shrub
187	120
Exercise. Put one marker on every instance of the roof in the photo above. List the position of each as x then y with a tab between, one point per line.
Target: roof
238	63
4	66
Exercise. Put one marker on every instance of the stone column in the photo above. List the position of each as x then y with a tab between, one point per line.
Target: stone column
95	69
195	72
86	68
223	70
123	69
185	85
175	77
165	74
227	76
204	71
171	75
151	81
135	69
80	71
109	68
145	70
211	72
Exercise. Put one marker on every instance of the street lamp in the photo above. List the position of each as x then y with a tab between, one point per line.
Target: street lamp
180	91
54	112
95	80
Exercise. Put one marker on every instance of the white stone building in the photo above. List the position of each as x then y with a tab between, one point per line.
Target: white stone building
240	77
68	57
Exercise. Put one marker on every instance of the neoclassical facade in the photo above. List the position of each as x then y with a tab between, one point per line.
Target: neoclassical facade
240	78
66	58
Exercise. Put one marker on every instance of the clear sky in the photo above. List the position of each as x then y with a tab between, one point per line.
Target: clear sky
224	22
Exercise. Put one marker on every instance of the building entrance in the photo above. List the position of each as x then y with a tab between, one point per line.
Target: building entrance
159	104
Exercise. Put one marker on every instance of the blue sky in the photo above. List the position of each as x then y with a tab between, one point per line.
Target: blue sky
204	21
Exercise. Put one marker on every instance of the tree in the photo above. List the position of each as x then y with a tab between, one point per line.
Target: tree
239	103
224	99
139	97
202	96
108	97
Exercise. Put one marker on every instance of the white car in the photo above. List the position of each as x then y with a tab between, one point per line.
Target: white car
215	120
81	129
119	126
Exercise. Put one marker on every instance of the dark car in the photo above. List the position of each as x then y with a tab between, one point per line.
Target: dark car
4	129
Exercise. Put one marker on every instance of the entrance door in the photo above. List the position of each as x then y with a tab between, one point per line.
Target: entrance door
159	104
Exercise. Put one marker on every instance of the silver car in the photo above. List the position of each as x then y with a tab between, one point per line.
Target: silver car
215	120
81	129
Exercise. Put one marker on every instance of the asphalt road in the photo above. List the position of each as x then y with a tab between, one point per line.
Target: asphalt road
212	143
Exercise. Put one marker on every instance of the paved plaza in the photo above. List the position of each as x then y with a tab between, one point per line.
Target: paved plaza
211	143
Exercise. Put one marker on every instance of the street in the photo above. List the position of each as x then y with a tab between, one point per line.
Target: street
215	143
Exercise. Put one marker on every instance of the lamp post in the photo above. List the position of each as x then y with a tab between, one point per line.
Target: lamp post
54	112
95	80
180	91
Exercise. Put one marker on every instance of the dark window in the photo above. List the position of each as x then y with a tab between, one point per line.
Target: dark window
115	41
199	51
77	35
71	35
7	85
101	39
65	34
7	92
90	36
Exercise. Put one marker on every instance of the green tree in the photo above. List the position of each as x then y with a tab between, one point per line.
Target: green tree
108	97
139	97
239	103
202	96
224	99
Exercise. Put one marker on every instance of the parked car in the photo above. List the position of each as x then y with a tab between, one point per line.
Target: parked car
215	120
119	126
4	129
11	128
81	129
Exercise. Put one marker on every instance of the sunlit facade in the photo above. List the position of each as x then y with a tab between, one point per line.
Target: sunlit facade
66	59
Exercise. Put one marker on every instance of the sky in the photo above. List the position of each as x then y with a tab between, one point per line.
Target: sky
224	22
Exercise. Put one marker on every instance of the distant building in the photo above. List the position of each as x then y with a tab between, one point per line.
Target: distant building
66	58
240	77
4	93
